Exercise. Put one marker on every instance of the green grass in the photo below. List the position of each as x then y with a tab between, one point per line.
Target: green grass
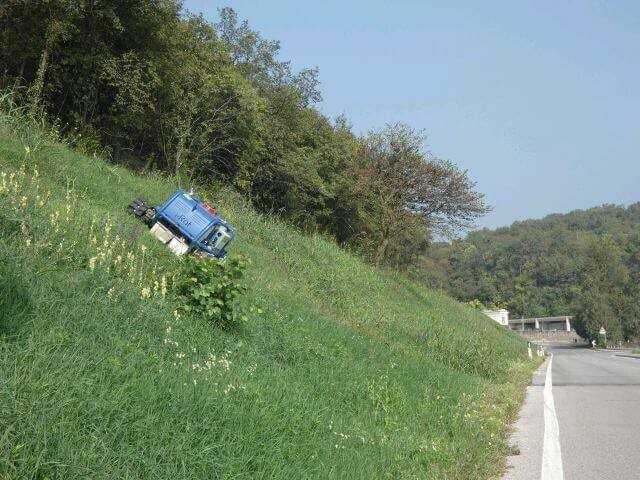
342	371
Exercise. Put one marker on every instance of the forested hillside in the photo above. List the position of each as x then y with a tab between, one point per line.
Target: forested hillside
584	263
154	87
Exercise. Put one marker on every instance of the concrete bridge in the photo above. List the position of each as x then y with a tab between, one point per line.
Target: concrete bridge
545	329
538	329
541	324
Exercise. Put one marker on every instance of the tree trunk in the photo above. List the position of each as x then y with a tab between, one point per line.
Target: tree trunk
19	77
38	83
381	250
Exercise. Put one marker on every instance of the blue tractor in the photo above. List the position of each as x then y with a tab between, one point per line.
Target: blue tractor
186	224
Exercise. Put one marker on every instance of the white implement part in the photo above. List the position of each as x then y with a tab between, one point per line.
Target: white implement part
178	247
161	232
167	237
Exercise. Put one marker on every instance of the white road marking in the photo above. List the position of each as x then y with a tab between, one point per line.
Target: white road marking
551	453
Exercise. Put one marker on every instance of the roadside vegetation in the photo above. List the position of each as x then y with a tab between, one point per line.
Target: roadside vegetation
338	370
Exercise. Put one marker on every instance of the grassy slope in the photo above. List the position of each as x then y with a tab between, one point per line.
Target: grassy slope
347	372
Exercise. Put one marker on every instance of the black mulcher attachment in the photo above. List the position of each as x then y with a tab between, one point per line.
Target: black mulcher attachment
141	210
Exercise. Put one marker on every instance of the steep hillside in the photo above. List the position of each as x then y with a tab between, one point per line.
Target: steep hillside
341	371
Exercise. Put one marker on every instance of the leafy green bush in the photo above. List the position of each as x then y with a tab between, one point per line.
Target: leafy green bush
209	288
476	304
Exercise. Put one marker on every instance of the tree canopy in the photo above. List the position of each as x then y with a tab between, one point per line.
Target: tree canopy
158	88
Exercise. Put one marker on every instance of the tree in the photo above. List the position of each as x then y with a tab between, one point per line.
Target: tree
32	32
210	113
601	301
523	301
404	190
593	311
257	58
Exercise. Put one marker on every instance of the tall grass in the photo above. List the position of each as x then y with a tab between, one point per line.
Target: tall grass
341	371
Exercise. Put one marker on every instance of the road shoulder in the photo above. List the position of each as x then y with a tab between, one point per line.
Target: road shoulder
528	434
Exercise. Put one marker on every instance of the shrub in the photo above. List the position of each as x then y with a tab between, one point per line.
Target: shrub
209	288
476	304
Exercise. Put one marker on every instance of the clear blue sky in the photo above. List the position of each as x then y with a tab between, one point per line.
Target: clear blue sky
540	101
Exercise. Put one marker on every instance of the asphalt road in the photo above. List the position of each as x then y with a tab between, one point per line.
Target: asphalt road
595	398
